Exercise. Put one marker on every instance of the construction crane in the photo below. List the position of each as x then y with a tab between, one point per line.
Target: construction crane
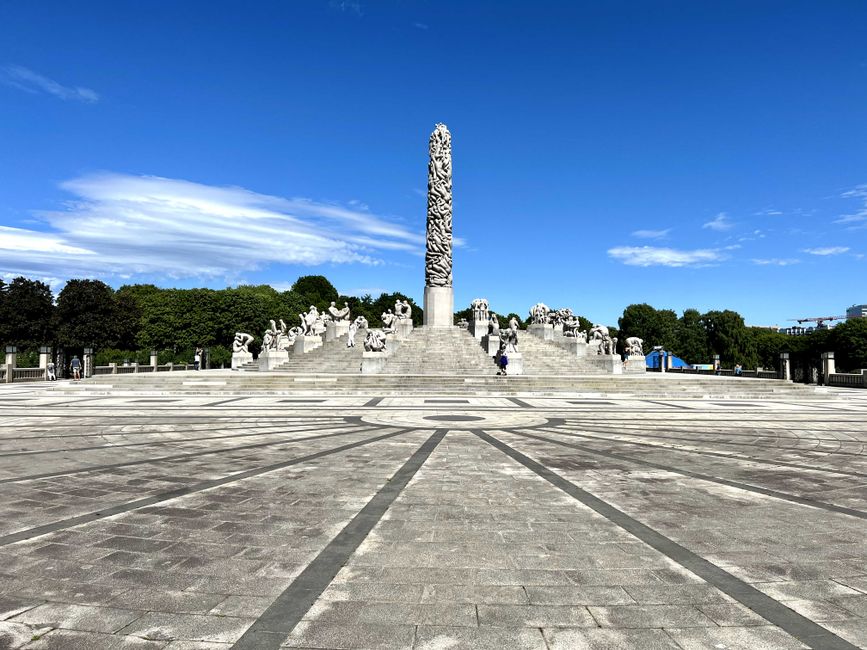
819	320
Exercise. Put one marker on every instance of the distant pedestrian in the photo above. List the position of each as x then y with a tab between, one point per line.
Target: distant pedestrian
503	361
197	360
739	370
49	372
716	368
76	368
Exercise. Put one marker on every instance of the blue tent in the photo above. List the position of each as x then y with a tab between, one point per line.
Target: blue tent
652	360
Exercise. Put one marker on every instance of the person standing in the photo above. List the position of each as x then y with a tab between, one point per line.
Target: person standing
49	372
503	362
76	368
197	360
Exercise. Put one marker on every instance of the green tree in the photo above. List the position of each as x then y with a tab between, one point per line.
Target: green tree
26	313
850	344
88	315
728	337
691	342
315	290
654	327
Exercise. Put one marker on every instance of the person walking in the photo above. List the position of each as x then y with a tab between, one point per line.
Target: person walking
76	368
502	362
49	372
197	360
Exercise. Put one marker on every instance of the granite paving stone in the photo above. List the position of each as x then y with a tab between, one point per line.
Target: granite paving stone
174	525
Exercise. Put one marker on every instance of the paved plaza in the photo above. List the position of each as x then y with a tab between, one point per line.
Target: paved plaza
182	521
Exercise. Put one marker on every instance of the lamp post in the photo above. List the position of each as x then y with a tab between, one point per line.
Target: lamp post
11	356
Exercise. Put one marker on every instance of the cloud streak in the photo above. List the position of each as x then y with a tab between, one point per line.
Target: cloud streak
672	257
32	82
719	223
123	225
827	250
651	234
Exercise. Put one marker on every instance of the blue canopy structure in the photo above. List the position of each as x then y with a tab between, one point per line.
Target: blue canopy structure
652	360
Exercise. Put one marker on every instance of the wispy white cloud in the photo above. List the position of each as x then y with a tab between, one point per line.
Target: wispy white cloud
858	219
146	225
347	6
422	26
827	250
768	213
775	261
651	234
32	82
720	223
653	256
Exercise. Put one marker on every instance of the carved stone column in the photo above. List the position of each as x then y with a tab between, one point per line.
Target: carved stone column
439	300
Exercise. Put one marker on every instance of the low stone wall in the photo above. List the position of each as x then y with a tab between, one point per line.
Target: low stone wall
848	379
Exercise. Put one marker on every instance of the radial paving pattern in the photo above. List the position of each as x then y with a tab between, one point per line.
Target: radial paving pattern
214	521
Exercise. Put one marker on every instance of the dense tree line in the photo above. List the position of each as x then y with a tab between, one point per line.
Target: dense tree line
126	324
696	337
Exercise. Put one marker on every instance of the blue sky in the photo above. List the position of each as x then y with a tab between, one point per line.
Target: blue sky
708	155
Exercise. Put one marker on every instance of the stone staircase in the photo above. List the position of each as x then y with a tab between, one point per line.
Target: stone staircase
547	358
333	357
440	351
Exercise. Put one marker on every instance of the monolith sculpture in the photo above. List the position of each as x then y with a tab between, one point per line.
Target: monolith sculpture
439	298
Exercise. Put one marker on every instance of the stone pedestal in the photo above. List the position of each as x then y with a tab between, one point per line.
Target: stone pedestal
11	359
479	328
240	358
558	330
543	331
491	344
154	361
516	364
304	344
373	363
607	363
270	359
573	345
439	307
635	365
44	358
402	328
335	329
785	368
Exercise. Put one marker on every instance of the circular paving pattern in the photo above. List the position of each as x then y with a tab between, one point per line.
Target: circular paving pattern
453	418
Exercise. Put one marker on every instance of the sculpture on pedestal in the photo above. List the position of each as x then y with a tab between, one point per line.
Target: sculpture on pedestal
339	314
388	320
634	346
494	325
360	323
375	341
312	322
480	309
402	310
269	338
509	338
241	342
539	313
606	343
438	257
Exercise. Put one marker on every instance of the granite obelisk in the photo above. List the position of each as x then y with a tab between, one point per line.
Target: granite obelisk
439	300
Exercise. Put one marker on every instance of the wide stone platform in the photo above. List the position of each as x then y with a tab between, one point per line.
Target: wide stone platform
218	518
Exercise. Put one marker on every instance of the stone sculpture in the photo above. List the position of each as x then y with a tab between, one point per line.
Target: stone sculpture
494	325
312	322
241	342
388	321
463	323
570	326
438	257
540	314
480	309
634	346
269	338
402	310
600	333
339	314
375	341
509	338
286	336
358	324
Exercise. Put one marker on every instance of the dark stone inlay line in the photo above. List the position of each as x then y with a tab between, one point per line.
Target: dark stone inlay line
699	452
454	418
159	459
276	623
29	533
592	402
150	443
226	401
789	621
447	401
785	496
674	406
153	400
520	402
375	401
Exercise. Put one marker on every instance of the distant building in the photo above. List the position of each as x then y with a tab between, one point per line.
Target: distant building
857	311
798	330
